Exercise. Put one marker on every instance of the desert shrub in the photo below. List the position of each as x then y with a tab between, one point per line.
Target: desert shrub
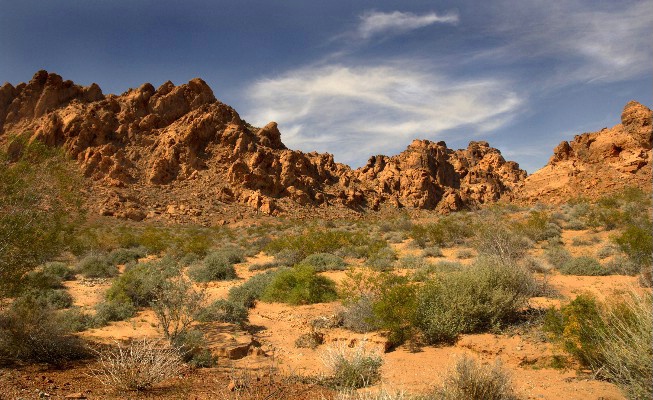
96	266
607	251
139	283
433	251
470	380
412	262
123	256
252	290
557	256
41	279
463	254
30	332
382	260
193	349
358	315
535	264
137	366
76	320
175	304
352	367
325	241
214	267
637	242
47	298
288	257
448	230
223	311
495	239
263	266
110	311
300	285
614	338
40	207
483	296
620	265
395	306
583	265
538	226
625	345
59	269
325	262
442	267
395	237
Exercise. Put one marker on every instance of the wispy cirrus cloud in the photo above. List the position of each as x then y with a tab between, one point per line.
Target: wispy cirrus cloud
355	112
374	23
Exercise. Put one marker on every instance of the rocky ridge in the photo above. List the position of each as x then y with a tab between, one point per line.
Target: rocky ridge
176	153
596	163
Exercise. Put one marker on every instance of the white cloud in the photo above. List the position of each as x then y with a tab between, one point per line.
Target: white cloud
355	112
586	43
375	23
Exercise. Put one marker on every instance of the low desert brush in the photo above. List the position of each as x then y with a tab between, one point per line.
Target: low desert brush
138	365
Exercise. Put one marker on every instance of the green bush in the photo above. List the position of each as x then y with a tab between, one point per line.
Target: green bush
614	338
41	279
96	266
585	266
557	256
123	256
40	207
325	262
193	348
325	241
138	284
252	290
637	243
433	251
300	285
214	267
452	229
487	295
382	260
223	311
47	298
59	269
175	304
109	311
413	262
395	307
471	381
538	226
30	332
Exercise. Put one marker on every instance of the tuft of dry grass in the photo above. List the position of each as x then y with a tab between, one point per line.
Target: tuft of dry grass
469	380
137	366
349	367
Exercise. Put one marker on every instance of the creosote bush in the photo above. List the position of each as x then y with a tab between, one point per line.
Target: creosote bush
300	285
175	304
352	367
486	295
252	290
223	311
96	266
325	262
583	265
137	366
217	266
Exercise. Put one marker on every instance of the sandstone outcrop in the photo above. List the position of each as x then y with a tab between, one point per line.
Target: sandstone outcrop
597	163
177	153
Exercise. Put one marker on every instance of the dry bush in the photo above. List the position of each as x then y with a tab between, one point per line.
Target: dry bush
355	367
137	366
382	394
471	381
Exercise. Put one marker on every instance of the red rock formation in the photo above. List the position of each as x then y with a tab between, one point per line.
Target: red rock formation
178	153
597	163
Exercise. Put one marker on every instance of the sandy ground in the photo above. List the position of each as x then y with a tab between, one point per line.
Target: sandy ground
270	341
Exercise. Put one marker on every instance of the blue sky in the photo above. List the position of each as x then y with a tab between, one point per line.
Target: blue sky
357	78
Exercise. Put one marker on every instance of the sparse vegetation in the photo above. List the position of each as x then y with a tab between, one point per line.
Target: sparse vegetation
223	311
352	367
583	265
